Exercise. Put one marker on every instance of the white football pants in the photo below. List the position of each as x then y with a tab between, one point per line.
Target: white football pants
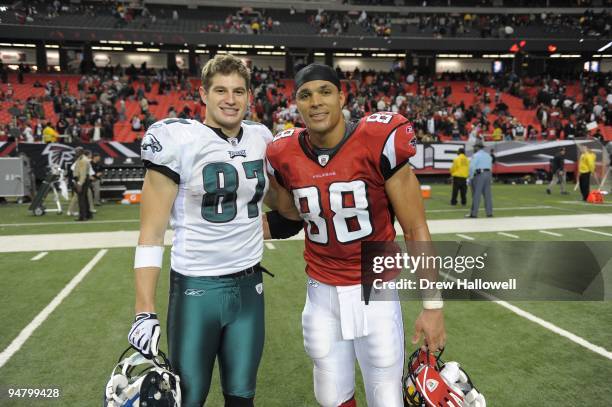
338	327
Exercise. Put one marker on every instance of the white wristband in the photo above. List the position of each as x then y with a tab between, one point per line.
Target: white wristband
432	299
433	304
148	256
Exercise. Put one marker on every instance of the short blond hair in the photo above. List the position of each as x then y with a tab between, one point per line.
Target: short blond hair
225	64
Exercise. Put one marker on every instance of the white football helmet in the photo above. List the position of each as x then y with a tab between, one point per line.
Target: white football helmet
138	382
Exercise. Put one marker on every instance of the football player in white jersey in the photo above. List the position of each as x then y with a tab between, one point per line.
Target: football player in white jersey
209	180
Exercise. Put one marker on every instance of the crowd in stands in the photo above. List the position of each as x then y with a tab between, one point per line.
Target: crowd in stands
244	21
452	106
427	102
250	21
595	24
88	110
479	3
504	26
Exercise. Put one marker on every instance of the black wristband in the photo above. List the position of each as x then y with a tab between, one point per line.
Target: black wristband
281	227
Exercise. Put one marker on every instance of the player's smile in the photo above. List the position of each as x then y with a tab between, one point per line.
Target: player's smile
230	111
319	116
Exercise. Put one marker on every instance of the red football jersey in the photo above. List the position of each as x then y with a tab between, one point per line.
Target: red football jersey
340	192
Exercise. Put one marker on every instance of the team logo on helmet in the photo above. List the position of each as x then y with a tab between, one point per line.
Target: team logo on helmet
431	384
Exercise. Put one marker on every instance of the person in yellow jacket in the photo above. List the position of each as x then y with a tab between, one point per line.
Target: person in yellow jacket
49	134
586	166
460	171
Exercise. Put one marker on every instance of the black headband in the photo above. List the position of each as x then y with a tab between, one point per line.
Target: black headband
316	72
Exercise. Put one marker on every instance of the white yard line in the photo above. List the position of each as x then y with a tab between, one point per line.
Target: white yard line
465	236
270	246
508	235
596	232
42	316
546	232
543	323
582	203
39	256
554	328
517	223
98	240
68	223
518	208
72	241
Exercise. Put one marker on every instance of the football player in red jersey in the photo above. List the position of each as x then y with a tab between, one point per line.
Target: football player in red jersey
347	182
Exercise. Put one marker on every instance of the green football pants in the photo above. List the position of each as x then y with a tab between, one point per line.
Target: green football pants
210	317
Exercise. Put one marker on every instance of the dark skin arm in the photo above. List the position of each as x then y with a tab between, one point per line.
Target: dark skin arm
278	198
404	192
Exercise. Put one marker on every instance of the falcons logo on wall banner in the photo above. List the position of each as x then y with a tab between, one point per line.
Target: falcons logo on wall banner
58	154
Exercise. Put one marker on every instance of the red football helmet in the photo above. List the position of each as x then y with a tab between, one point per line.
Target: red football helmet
430	382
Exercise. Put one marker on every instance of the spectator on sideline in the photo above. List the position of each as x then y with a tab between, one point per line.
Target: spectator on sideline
557	169
81	183
586	166
136	123
96	165
49	134
460	171
480	179
90	200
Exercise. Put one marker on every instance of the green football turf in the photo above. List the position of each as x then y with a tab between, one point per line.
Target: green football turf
513	361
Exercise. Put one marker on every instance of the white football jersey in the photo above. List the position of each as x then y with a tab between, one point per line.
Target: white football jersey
216	216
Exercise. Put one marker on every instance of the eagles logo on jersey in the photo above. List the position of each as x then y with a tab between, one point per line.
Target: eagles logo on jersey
151	142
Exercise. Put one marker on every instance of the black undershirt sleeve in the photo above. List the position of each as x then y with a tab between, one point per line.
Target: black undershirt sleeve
163	170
